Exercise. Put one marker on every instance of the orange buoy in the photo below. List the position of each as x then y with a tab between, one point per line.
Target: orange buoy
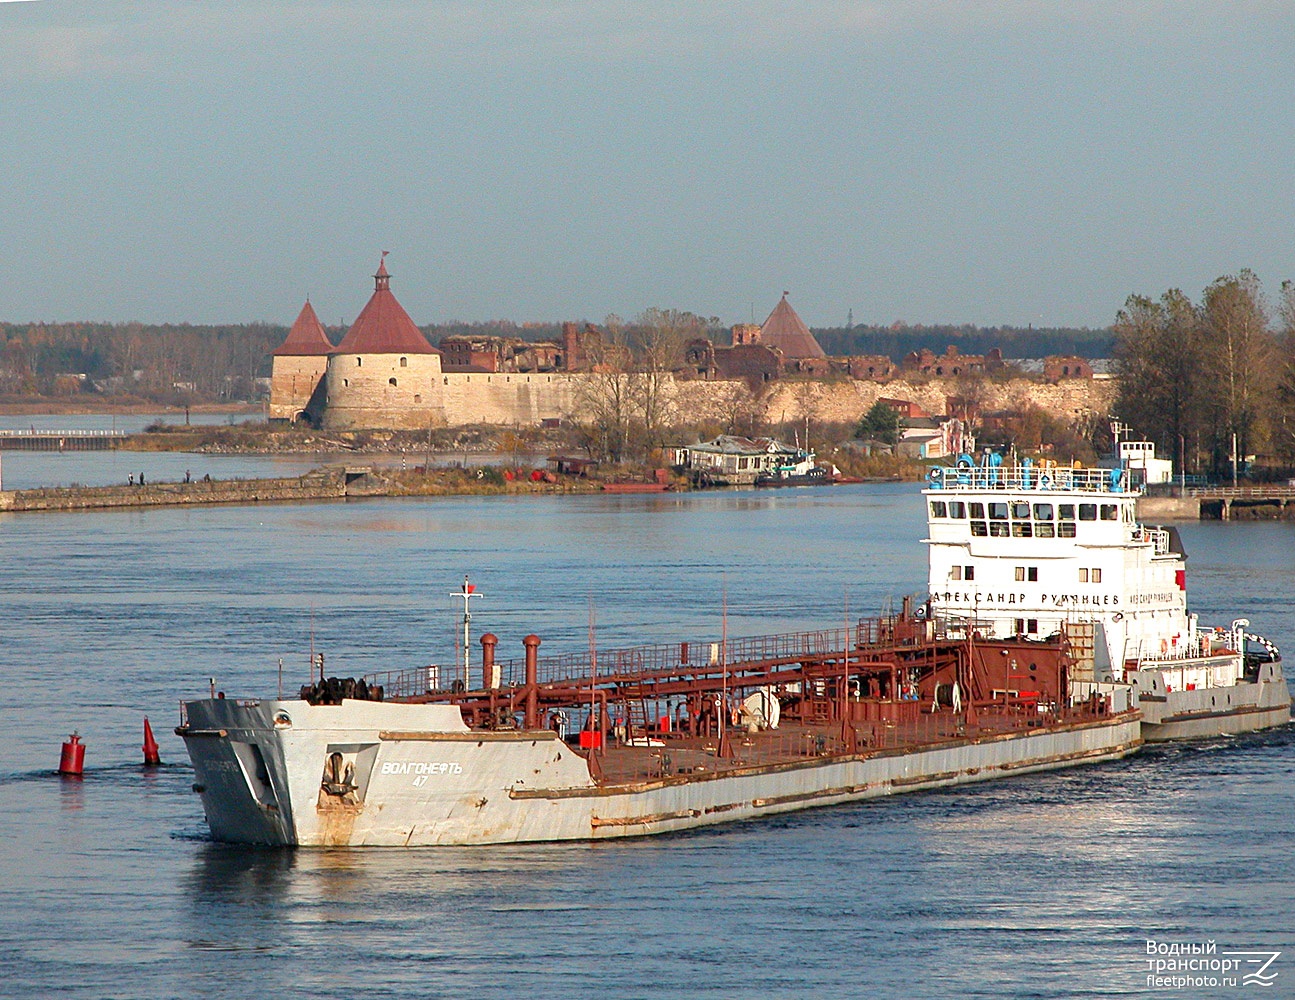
151	759
72	760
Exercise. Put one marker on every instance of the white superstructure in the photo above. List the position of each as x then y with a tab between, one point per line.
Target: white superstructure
1032	551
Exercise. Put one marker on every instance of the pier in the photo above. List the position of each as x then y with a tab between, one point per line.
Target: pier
322	484
1246	503
60	440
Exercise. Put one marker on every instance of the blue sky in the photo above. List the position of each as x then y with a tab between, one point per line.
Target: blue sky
997	162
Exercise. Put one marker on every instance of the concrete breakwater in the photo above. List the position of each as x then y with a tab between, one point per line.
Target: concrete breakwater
319	484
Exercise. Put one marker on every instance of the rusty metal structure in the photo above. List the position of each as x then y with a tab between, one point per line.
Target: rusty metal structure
884	683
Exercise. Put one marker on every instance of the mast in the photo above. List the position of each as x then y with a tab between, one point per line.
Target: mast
468	592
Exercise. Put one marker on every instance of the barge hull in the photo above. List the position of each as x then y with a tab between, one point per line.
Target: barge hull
1174	714
417	783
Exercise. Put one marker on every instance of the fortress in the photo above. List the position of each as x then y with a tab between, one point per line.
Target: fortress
386	375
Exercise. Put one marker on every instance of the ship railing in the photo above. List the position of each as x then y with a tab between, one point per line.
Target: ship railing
411	682
706	657
1033	477
1159	537
1167	651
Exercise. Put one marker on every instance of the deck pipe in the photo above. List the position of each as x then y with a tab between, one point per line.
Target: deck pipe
488	643
532	644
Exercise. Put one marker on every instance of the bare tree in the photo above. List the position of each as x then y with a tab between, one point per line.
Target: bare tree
605	397
1242	361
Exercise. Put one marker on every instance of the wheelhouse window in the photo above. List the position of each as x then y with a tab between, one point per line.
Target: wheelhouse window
957	508
939	508
1110	512
1088	512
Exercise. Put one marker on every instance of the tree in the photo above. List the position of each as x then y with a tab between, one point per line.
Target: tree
1283	423
1161	356
1241	364
657	340
605	396
881	423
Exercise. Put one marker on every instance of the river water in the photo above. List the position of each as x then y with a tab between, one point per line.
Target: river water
1040	886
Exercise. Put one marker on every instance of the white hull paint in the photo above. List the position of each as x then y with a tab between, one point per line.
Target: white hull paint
420	782
1171	713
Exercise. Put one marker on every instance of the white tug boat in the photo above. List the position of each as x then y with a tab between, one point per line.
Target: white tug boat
1034	551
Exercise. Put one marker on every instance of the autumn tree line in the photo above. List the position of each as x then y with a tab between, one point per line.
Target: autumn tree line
1213	379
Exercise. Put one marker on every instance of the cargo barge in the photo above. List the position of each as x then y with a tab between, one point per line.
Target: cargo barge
646	740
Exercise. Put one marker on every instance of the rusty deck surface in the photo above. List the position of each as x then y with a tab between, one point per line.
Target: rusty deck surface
668	754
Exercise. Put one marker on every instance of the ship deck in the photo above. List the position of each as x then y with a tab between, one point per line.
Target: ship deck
669	754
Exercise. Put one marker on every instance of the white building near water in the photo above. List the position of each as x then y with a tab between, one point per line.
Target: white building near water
1140	457
730	460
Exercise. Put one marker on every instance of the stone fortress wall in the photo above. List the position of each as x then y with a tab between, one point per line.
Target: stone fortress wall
386	375
518	399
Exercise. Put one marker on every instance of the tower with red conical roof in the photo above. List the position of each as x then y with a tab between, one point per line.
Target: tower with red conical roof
785	330
384	373
297	369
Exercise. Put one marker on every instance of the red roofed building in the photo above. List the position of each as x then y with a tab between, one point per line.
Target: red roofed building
384	373
383	326
788	333
297	369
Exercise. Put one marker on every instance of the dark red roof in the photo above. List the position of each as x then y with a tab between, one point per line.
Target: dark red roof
307	337
788	332
383	326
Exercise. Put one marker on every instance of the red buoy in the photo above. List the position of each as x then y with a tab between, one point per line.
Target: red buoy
72	760
151	759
